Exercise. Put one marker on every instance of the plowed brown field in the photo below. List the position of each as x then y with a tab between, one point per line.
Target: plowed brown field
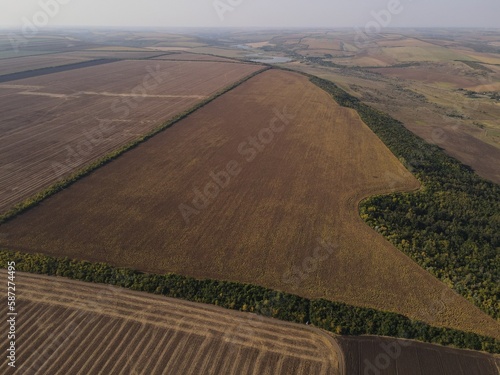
286	217
55	124
70	327
370	355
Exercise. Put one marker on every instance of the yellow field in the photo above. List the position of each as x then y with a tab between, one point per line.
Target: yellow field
410	54
329	44
70	327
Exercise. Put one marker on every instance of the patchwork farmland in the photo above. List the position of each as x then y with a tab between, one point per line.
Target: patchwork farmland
295	167
57	123
118	331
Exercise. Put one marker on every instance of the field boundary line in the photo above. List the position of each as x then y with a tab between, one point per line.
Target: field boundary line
37	198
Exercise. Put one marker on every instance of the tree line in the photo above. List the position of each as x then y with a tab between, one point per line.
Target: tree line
451	226
336	317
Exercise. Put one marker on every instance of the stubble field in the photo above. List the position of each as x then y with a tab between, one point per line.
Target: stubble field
285	218
69	327
57	123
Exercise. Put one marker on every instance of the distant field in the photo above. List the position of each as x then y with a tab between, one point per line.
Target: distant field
383	356
192	57
114	54
328	44
71	327
20	64
301	190
9	53
56	123
434	53
415	78
457	74
225	52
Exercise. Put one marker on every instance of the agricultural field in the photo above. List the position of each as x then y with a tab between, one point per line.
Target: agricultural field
179	56
21	64
114	54
422	79
118	331
57	123
384	356
223	194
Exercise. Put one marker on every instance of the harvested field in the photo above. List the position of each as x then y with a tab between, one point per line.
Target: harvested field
51	70
70	327
456	74
289	202
112	54
325	44
219	51
403	42
435	54
192	57
55	124
383	356
20	64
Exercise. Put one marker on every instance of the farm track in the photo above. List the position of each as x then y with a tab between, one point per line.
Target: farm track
118	331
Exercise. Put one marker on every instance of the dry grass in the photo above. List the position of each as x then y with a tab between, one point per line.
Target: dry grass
433	54
457	74
304	185
70	327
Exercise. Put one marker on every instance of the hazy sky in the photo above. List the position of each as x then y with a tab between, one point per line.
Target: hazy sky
261	13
